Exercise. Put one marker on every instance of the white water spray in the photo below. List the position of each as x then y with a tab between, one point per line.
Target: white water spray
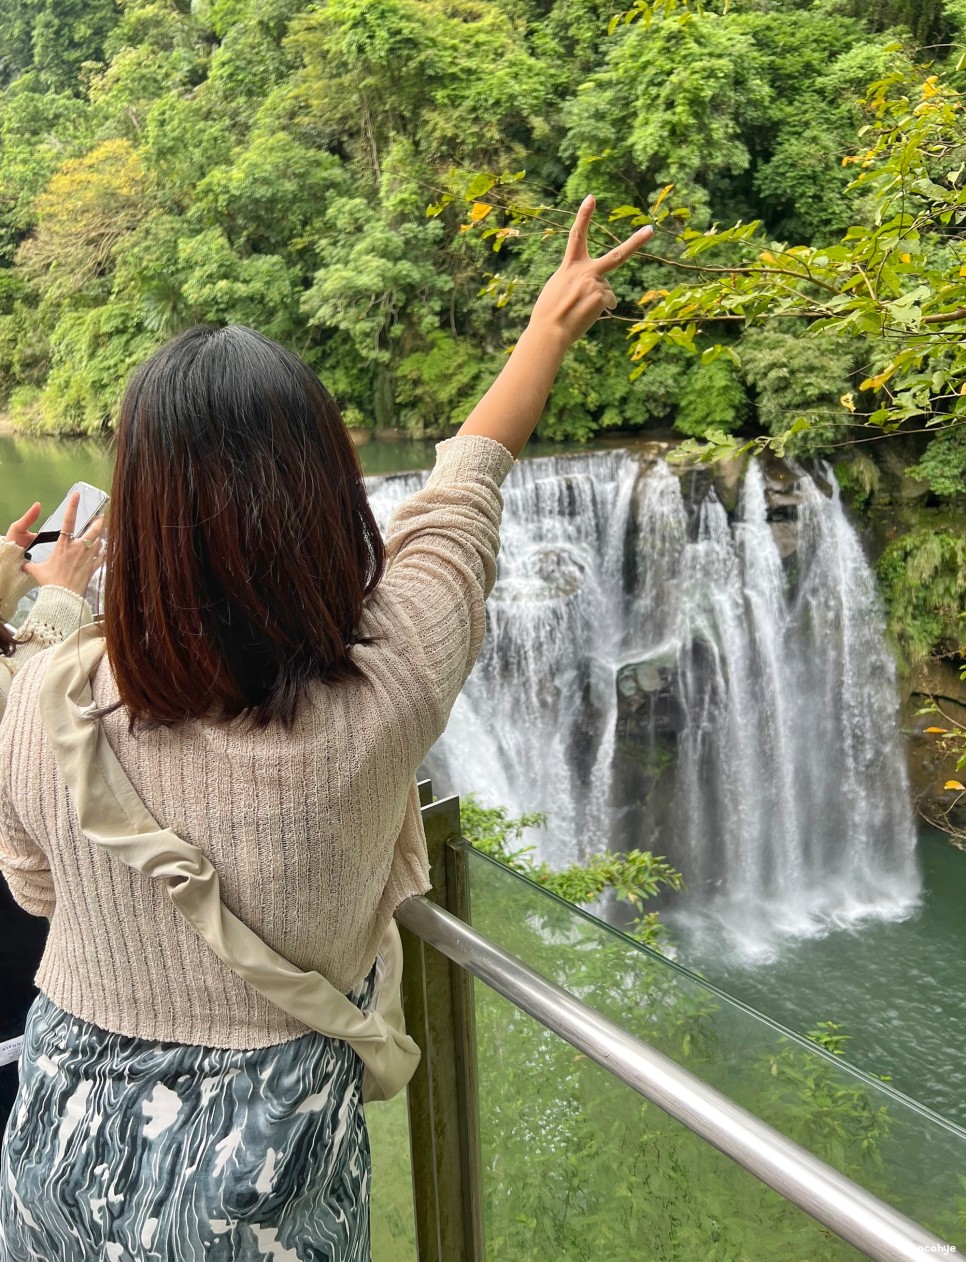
655	675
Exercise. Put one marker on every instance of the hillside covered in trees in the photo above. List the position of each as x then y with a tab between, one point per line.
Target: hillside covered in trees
384	188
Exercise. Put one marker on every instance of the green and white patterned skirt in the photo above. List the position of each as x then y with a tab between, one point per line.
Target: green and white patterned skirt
126	1150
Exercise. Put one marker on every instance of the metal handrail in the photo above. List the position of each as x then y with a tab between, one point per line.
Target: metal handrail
874	1228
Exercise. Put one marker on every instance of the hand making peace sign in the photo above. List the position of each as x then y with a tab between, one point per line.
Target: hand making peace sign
574	297
578	293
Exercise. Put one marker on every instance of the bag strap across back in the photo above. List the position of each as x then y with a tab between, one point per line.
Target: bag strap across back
113	816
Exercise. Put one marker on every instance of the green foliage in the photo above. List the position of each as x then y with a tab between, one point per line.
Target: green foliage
233	287
587	397
923	577
433	385
859	478
929	21
713	397
862	322
369	277
279	159
794	377
892	285
943	464
38	130
828	1034
271	196
91	355
492	829
842	1121
633	876
673	104
53	37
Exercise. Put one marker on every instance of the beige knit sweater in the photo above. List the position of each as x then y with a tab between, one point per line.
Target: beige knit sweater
56	613
315	832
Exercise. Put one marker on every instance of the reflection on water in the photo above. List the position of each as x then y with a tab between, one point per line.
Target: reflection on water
46	468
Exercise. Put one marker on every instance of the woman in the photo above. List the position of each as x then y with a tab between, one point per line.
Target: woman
273	677
59	609
63	579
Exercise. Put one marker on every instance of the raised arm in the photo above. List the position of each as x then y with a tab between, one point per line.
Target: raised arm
570	302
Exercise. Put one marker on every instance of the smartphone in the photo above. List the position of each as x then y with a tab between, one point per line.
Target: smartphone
93	502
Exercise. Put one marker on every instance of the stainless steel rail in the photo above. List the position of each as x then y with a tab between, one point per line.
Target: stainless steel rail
873	1227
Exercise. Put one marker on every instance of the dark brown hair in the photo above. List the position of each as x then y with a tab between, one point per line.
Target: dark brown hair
242	544
6	641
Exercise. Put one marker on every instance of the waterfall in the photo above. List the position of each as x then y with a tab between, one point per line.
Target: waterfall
660	672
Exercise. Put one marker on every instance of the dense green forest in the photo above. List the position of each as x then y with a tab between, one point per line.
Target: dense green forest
384	188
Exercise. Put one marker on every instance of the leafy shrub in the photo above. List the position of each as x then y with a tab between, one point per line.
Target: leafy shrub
713	397
793	376
923	577
633	875
859	477
943	464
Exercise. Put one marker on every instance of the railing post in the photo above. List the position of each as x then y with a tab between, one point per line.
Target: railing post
444	1130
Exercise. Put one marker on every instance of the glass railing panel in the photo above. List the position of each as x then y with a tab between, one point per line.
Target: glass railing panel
536	1094
393	1224
578	1166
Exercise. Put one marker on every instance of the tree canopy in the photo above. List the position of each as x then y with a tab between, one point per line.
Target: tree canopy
384	188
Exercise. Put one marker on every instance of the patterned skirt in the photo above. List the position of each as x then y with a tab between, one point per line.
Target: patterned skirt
126	1150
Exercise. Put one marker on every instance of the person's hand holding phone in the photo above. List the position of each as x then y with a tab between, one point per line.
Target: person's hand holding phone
73	561
19	531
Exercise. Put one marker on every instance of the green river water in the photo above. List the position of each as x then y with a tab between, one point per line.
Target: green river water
898	989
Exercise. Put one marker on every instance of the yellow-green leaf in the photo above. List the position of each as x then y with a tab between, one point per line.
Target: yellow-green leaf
481	183
879	380
661	196
624	212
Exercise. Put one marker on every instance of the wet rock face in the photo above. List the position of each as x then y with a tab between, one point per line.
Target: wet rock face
932	759
646	697
783	495
650	719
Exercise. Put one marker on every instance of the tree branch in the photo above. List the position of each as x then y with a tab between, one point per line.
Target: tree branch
945	317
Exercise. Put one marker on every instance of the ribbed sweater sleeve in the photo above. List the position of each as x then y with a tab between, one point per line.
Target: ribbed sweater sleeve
22	862
56	613
441	550
13	582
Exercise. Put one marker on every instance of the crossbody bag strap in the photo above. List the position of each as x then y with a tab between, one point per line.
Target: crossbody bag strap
113	816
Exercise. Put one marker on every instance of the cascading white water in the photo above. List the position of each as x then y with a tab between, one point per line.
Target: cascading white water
655	675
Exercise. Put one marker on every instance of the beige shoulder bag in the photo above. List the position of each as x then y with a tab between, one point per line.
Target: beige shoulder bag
112	815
